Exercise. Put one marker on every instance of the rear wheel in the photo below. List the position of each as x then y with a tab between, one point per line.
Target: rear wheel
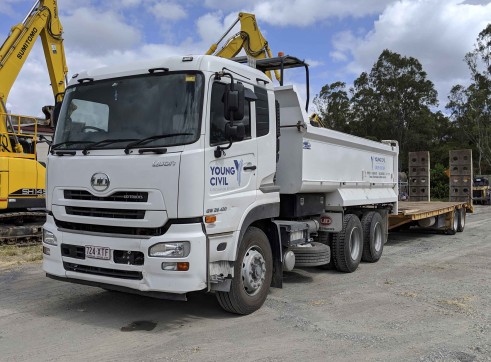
373	236
347	245
461	222
252	275
455	223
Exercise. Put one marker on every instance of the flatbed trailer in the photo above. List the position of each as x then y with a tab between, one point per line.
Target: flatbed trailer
444	216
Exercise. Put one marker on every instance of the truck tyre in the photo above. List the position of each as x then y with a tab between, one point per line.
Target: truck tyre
373	236
455	223
316	254
462	215
253	271
347	245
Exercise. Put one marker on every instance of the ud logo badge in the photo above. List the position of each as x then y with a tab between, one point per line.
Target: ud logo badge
99	182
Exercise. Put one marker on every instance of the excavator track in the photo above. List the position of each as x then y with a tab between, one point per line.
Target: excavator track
21	228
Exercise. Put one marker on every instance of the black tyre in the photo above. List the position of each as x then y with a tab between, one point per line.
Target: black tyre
315	254
374	236
252	275
347	245
462	216
455	224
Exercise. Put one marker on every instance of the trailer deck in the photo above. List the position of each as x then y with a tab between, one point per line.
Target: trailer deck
415	211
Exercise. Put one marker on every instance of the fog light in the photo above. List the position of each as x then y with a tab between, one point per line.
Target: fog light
169	266
49	238
170	250
175	266
46	250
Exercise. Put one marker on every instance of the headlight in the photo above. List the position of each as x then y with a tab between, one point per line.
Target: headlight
179	249
49	238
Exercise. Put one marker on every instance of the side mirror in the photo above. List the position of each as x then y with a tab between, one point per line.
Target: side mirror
234	102
56	113
42	139
51	114
235	132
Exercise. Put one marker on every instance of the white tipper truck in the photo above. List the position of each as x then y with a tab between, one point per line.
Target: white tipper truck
196	173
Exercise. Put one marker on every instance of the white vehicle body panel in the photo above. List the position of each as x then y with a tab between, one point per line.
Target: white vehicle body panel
349	169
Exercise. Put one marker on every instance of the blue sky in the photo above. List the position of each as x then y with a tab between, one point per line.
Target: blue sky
339	38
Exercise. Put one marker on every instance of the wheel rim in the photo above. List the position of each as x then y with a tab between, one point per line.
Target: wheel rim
378	237
455	220
354	243
253	270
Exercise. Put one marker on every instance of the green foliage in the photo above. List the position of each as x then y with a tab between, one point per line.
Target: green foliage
333	106
471	106
393	102
439	183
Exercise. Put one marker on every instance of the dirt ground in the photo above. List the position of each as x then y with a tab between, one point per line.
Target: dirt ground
427	299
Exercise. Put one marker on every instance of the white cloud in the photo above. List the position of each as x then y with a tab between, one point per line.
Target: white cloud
212	26
308	12
300	12
168	11
436	32
98	34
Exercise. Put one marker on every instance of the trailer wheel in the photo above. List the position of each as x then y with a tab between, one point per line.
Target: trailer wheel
461	223
455	224
252	275
373	236
347	245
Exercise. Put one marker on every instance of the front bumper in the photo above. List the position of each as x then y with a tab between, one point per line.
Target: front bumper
152	277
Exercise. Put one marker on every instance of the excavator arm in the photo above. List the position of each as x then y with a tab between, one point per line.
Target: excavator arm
42	21
248	38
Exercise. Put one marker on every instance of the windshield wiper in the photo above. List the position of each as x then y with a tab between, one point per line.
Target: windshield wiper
105	142
67	143
144	141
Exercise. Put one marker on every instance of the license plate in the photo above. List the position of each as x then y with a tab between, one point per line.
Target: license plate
97	252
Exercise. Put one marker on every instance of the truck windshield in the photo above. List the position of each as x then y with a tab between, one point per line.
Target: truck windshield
123	110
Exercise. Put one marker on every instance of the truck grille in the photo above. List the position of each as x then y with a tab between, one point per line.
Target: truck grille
477	193
106	229
107	213
113	273
120	196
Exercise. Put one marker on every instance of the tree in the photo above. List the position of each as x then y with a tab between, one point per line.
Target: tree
333	106
471	106
393	102
439	183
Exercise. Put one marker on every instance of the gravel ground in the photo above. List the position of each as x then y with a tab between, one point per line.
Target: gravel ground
427	299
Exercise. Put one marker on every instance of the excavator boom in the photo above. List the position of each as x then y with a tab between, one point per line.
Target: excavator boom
248	38
22	178
42	21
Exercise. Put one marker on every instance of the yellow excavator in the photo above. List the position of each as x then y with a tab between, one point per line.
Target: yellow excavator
22	178
248	38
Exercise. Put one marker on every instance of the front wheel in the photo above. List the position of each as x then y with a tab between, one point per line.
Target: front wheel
252	275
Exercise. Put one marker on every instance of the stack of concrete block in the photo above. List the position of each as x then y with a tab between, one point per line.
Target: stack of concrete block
461	175
419	176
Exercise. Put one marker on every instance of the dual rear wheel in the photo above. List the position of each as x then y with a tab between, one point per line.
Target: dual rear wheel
358	240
